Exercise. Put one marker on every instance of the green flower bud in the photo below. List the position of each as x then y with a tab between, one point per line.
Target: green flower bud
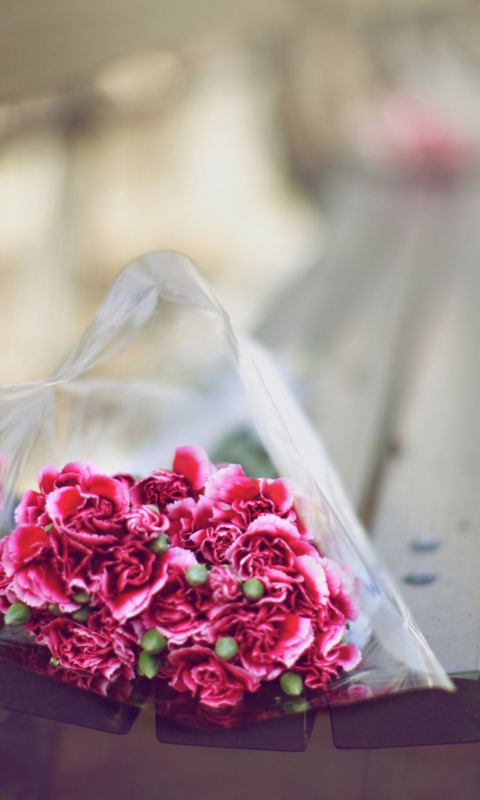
54	661
291	683
226	648
81	615
296	706
160	544
153	507
48	527
17	614
55	609
153	641
196	574
81	597
148	664
253	589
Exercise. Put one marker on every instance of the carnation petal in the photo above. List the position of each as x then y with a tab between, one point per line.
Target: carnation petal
315	578
274	524
194	464
24	544
114	490
297	636
349	656
84	469
64	503
227	483
279	493
27	504
47	477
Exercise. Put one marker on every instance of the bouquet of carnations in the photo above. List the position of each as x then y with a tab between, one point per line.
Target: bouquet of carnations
200	576
238	598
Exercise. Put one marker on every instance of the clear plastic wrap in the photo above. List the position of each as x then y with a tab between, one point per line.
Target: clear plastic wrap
162	367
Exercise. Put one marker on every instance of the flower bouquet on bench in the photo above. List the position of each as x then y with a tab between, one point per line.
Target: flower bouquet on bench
139	565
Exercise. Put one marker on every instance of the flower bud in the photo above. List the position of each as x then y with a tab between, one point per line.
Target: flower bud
17	614
296	706
226	648
153	507
196	574
54	661
48	527
81	615
81	597
153	641
160	544
253	589
54	608
148	664
291	683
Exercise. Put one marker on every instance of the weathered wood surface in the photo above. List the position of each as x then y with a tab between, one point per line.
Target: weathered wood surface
394	390
389	338
432	487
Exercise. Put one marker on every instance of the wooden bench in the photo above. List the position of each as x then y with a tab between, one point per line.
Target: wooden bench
382	336
387	330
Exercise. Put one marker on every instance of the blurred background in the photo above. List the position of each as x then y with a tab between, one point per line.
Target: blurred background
235	133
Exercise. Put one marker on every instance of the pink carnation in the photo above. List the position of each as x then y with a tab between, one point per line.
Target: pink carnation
290	568
29	561
214	541
159	488
99	647
92	511
188	516
225	586
194	464
269	638
7	596
79	490
146	522
130	578
327	657
342	601
178	610
240	500
212	681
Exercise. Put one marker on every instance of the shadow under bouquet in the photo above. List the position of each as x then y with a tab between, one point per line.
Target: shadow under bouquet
238	598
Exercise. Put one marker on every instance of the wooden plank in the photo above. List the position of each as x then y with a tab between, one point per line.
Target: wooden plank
391	334
352	329
412	719
289	734
431	489
426	509
336	329
39	695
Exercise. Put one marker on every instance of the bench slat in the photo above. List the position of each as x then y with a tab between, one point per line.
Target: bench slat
432	488
381	366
